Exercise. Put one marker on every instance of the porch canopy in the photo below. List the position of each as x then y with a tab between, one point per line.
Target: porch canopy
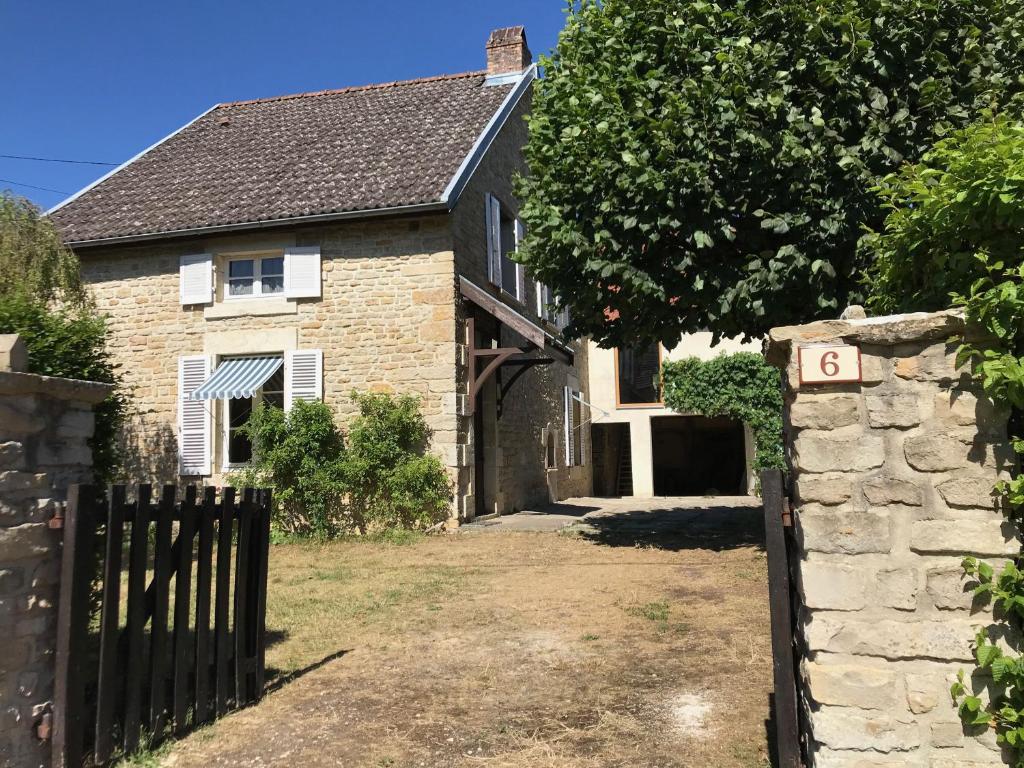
237	377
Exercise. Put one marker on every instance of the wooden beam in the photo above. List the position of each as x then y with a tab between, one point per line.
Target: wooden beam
502	312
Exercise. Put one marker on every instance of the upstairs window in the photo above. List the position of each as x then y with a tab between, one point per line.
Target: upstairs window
639	375
255	277
504	233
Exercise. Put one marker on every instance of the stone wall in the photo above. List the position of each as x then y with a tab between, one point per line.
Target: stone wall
386	322
45	424
892	481
534	405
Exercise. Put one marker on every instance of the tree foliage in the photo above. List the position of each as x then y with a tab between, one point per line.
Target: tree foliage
950	219
33	259
709	165
740	386
43	301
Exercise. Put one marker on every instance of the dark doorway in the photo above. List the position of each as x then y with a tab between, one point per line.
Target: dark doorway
697	456
613	460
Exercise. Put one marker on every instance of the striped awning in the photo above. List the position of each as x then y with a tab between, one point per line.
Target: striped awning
237	377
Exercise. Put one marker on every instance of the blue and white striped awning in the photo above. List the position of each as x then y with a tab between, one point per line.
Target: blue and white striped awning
237	377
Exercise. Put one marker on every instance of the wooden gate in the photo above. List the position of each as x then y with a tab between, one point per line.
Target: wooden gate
186	645
778	524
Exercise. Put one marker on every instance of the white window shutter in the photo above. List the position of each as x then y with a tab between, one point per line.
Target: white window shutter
195	277
583	430
302	272
303	376
493	240
540	300
194	422
569	437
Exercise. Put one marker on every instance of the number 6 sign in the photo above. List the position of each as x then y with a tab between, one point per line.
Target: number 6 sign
829	364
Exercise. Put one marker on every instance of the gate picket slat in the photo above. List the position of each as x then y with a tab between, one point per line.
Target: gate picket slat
108	688
182	611
73	626
158	628
203	581
242	558
135	625
222	600
787	728
262	571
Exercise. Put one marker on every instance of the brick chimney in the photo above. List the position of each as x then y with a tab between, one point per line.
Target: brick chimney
507	52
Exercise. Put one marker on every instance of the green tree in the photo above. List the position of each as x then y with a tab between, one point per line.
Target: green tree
42	299
951	219
710	165
33	259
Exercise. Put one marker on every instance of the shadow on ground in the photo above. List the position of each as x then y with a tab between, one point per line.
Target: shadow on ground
714	527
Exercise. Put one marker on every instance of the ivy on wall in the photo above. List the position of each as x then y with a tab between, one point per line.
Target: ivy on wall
740	386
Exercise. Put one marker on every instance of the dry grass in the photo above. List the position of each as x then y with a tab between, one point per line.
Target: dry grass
518	650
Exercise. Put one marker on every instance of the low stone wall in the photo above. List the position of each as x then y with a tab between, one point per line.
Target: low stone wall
892	481
44	427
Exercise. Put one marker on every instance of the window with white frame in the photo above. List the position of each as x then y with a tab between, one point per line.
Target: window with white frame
258	276
237	445
549	307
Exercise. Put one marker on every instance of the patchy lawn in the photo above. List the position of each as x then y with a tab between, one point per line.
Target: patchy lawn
518	649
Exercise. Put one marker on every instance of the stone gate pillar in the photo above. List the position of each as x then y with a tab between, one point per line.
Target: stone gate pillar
892	480
45	425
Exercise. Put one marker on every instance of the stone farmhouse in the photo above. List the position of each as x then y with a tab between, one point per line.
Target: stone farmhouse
303	246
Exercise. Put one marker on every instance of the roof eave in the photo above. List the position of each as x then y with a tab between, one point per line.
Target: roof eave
483	142
399	210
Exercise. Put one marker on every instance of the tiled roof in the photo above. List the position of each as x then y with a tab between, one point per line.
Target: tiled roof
322	153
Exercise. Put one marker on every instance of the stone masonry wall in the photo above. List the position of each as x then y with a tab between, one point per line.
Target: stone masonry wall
892	481
385	322
44	426
534	405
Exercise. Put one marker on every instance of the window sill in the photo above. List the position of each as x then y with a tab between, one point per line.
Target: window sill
251	308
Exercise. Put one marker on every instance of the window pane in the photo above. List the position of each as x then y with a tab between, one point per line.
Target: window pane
240	268
640	375
276	399
274	266
508	247
275	383
242	287
273	284
239	446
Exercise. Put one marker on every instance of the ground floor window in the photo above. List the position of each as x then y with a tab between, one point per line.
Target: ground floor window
238	447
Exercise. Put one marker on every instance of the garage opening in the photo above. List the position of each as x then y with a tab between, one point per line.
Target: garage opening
613	462
698	456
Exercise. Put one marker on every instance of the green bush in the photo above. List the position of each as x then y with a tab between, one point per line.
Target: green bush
952	219
71	342
383	479
300	454
740	386
392	481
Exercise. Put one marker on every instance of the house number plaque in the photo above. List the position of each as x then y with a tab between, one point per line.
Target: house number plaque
829	364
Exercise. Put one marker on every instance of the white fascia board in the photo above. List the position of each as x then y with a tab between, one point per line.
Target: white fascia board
128	162
487	136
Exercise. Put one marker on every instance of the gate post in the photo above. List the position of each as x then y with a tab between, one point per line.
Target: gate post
893	453
45	425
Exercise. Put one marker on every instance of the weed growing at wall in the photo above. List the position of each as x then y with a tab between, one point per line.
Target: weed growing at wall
740	386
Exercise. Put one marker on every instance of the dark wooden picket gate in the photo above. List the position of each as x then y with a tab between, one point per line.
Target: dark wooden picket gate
778	525
125	676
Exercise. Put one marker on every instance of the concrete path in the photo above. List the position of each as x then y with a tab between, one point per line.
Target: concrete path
717	520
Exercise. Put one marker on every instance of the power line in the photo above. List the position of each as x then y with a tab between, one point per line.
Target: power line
54	160
32	186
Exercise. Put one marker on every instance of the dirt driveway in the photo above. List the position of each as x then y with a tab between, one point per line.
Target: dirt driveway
621	634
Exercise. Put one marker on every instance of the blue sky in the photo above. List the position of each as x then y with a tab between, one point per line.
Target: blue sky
100	80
